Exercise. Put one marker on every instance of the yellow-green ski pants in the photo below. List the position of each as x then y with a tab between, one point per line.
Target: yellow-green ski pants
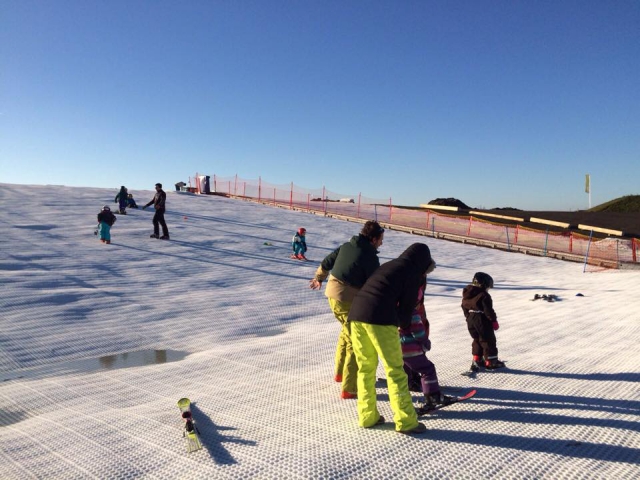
346	365
369	343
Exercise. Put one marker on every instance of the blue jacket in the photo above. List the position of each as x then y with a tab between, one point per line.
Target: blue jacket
297	238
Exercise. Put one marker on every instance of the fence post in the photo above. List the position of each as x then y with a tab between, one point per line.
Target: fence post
586	256
291	197
469	228
546	241
324	201
375	212
215	184
508	244
428	219
244	189
570	242
390	209
433	226
274	196
259	188
235	186
517	231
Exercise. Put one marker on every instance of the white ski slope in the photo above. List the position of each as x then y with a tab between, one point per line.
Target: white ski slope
260	350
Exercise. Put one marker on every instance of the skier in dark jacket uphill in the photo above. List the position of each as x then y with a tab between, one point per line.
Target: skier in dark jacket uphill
384	303
121	200
482	321
158	201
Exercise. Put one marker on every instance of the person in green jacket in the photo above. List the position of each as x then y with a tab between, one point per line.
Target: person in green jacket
348	267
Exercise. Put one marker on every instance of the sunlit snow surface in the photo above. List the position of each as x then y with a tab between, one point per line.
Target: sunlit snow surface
259	352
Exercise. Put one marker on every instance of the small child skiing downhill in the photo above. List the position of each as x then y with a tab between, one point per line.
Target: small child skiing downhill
482	322
415	342
299	244
106	219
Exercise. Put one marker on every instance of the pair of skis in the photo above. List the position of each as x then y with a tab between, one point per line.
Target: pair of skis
190	432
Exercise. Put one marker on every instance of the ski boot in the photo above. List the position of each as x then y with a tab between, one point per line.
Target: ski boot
417	430
493	364
154	235
348	395
475	366
164	237
437	399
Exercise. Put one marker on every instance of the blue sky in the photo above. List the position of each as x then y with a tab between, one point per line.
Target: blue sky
497	103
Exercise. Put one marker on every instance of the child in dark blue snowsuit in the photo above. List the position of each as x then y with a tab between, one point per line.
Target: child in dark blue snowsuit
121	199
299	244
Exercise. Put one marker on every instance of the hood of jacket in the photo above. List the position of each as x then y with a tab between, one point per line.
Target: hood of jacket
472	291
419	255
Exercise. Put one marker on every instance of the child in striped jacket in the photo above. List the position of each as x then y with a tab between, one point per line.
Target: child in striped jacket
421	372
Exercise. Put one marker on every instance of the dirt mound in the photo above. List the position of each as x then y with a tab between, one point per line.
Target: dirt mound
626	204
450	202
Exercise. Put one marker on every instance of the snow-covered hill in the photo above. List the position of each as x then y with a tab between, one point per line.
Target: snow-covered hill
98	342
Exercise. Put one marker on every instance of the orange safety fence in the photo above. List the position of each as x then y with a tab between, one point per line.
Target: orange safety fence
609	251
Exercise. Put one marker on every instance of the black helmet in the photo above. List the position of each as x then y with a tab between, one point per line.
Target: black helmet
482	279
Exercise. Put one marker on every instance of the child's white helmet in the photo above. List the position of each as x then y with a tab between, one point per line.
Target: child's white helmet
106	208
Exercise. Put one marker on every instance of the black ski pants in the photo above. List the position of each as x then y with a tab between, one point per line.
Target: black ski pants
158	220
484	338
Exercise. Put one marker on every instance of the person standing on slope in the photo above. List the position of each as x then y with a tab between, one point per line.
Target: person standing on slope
121	200
348	268
384	304
482	321
158	201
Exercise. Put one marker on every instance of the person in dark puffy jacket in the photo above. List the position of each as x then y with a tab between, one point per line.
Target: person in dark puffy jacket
106	219
350	265
158	201
482	321
121	200
384	304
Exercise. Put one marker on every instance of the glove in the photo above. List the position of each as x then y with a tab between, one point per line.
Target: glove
495	325
426	345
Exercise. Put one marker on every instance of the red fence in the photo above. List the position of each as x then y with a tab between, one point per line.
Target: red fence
607	252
